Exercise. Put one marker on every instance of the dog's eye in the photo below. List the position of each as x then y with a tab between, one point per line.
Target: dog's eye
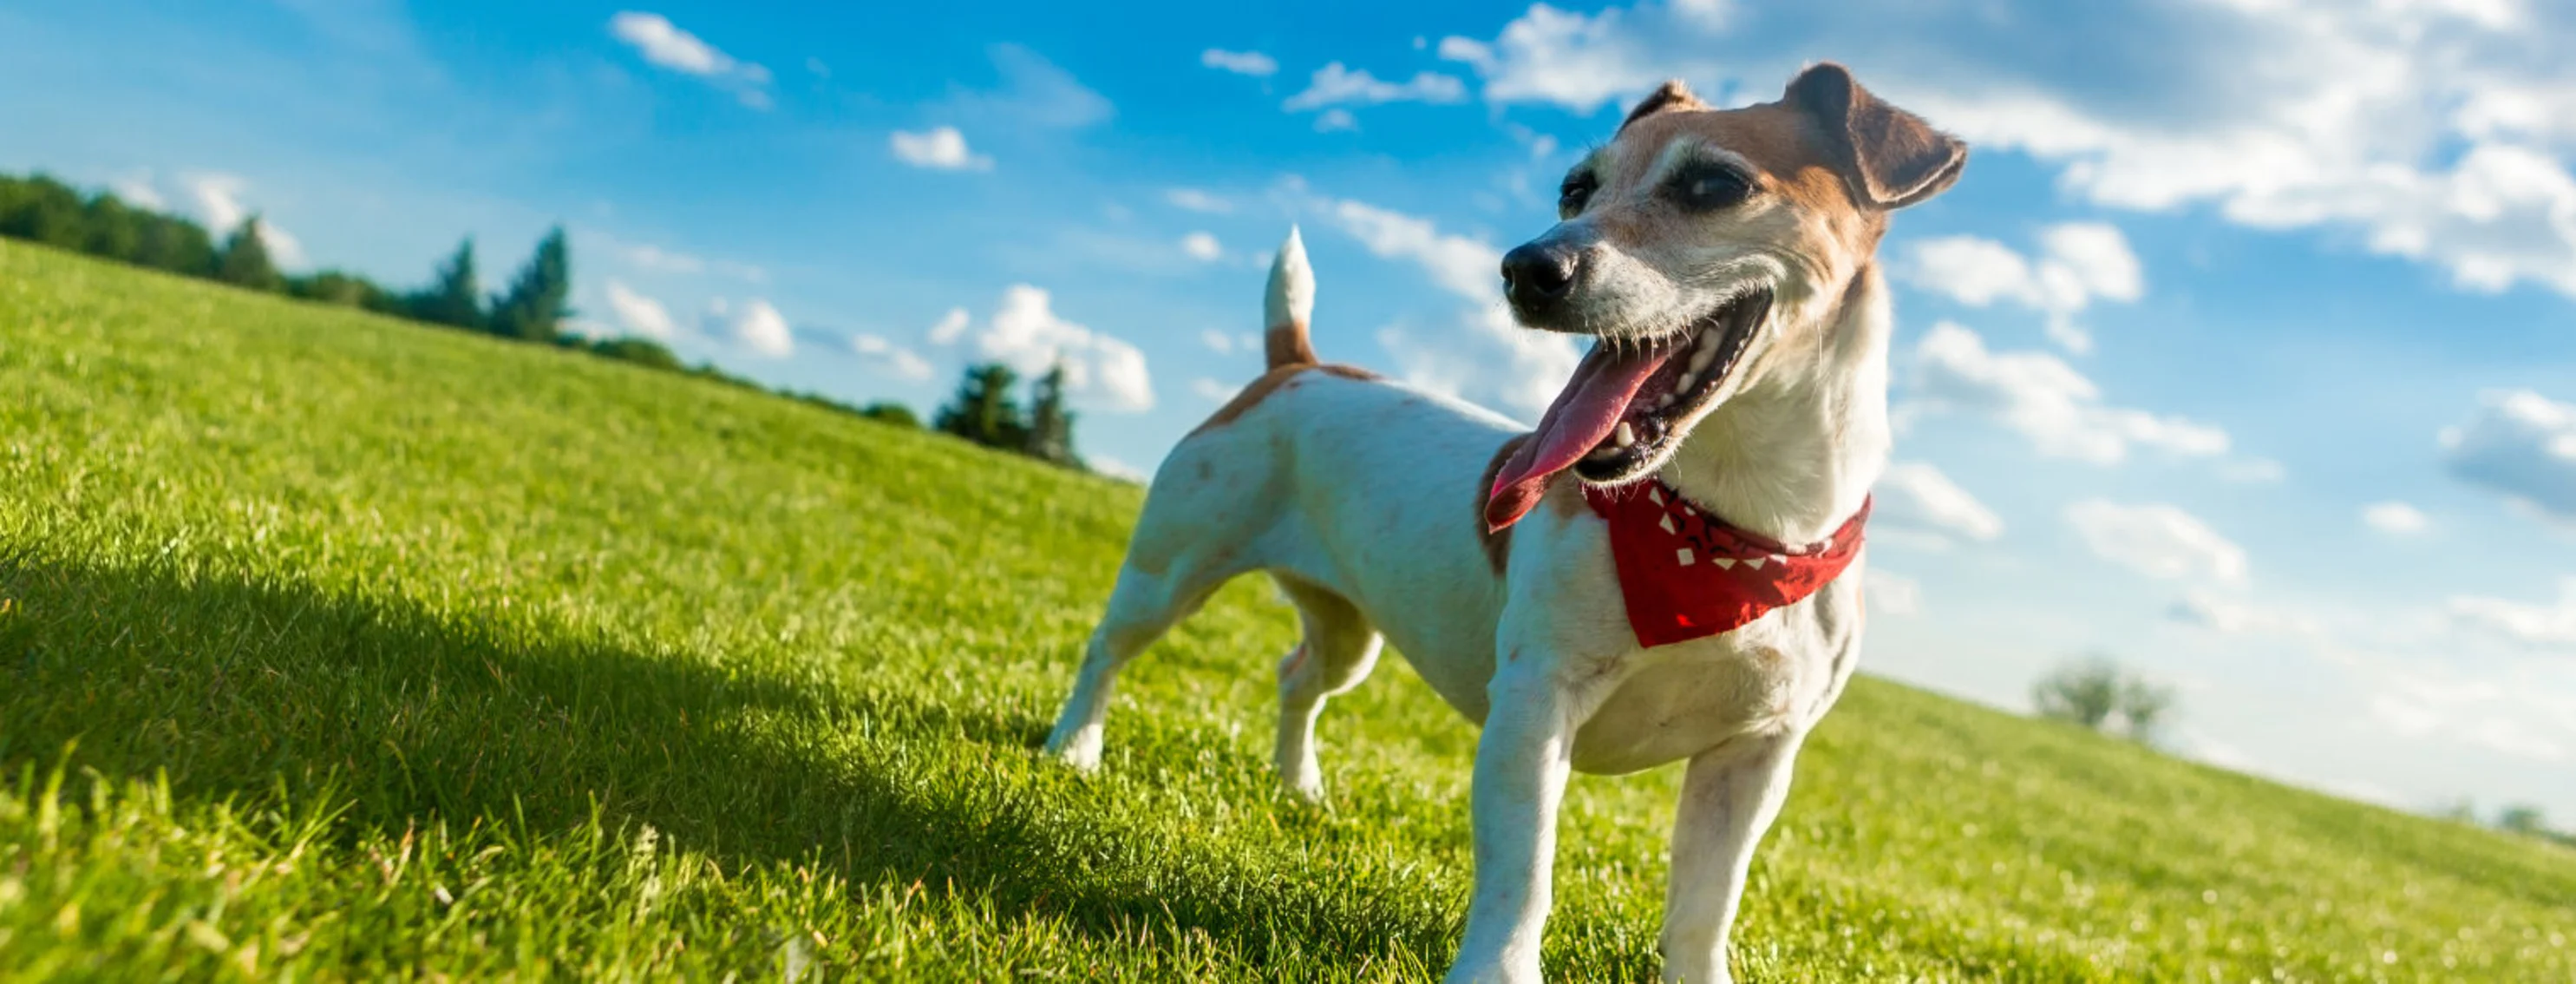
1702	189
1576	193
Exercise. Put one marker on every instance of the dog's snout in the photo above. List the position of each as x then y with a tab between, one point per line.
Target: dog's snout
1539	272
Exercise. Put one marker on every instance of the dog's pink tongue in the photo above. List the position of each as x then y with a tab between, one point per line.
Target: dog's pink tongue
1577	422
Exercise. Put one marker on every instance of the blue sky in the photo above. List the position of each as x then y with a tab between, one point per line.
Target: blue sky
2243	352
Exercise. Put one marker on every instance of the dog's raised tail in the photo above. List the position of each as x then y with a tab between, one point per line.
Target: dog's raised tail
1288	306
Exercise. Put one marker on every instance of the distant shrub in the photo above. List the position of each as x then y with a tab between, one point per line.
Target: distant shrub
641	351
2096	693
888	411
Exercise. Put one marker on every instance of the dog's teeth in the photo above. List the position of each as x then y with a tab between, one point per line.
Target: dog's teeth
1701	357
1687	380
1602	454
1626	435
1664	402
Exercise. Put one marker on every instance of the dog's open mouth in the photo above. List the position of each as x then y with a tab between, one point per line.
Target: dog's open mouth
1617	419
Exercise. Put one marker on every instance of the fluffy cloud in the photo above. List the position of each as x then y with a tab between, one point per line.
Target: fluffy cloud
2233	617
1886	592
757	326
2078	263
2522	444
1202	246
218	200
2156	540
1213	391
1252	63
1336	120
2394	518
2436	131
1493	360
903	362
1026	333
639	315
939	149
664	44
2044	399
1197	200
1919	497
645	256
1334	85
1033	92
2545	625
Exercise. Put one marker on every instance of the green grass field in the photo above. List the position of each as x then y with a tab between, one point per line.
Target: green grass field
337	647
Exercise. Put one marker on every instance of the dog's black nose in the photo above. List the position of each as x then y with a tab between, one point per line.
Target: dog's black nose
1538	272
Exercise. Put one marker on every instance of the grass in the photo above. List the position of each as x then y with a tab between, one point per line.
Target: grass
336	647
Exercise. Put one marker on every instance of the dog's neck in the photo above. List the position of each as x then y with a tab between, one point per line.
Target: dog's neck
1794	453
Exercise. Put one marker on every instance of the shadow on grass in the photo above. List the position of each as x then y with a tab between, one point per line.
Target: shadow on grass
233	688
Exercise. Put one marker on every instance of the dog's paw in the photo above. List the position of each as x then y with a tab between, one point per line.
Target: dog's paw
1079	748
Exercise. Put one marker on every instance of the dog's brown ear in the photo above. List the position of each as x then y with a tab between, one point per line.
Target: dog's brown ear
1891	157
1668	96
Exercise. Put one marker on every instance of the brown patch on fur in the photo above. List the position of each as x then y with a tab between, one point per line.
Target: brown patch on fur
1891	157
1497	543
1269	382
1672	95
1287	345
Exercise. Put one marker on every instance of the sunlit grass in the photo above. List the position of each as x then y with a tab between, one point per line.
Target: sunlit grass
339	647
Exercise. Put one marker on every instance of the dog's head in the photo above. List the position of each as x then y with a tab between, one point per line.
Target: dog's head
1705	249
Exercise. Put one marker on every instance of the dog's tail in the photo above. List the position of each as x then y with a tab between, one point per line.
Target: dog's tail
1290	302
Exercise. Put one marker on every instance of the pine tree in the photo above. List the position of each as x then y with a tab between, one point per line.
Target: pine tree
1050	436
538	300
455	297
244	260
983	411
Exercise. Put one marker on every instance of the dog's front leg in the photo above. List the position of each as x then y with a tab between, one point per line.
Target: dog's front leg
1522	760
1729	798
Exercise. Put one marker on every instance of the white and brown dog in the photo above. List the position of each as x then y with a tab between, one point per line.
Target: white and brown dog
1644	613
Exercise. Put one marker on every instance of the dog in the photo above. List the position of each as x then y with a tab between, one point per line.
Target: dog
1617	589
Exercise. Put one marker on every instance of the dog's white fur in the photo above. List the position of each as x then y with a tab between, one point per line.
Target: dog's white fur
1359	497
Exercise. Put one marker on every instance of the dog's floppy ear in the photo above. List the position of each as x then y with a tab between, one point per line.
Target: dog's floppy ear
1891	157
1669	96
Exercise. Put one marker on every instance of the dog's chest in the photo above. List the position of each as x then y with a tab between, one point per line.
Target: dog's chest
1673	702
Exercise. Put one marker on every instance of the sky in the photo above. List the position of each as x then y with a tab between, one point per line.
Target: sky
2242	353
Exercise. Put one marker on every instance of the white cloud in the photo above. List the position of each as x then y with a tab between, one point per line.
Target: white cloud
1493	360
760	328
2253	471
1026	333
1201	246
1334	85
1889	593
938	148
1213	391
2043	398
664	44
2233	617
137	190
1252	63
639	315
218	200
2157	540
1033	92
645	256
1117	469
1197	200
2545	625
1217	341
2438	132
2394	518
2079	262
2521	444
951	327
901	361
1336	120
1918	496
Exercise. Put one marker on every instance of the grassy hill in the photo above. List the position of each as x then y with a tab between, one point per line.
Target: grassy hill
337	647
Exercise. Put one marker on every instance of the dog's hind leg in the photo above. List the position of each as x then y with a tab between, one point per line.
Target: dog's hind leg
1142	607
1339	649
1729	797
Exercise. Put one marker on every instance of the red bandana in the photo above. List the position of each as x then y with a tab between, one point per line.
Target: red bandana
1687	575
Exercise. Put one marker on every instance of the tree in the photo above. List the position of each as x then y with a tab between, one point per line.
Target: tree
338	287
539	298
2096	693
174	244
454	296
115	231
2522	818
888	411
983	411
244	259
1050	436
41	209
